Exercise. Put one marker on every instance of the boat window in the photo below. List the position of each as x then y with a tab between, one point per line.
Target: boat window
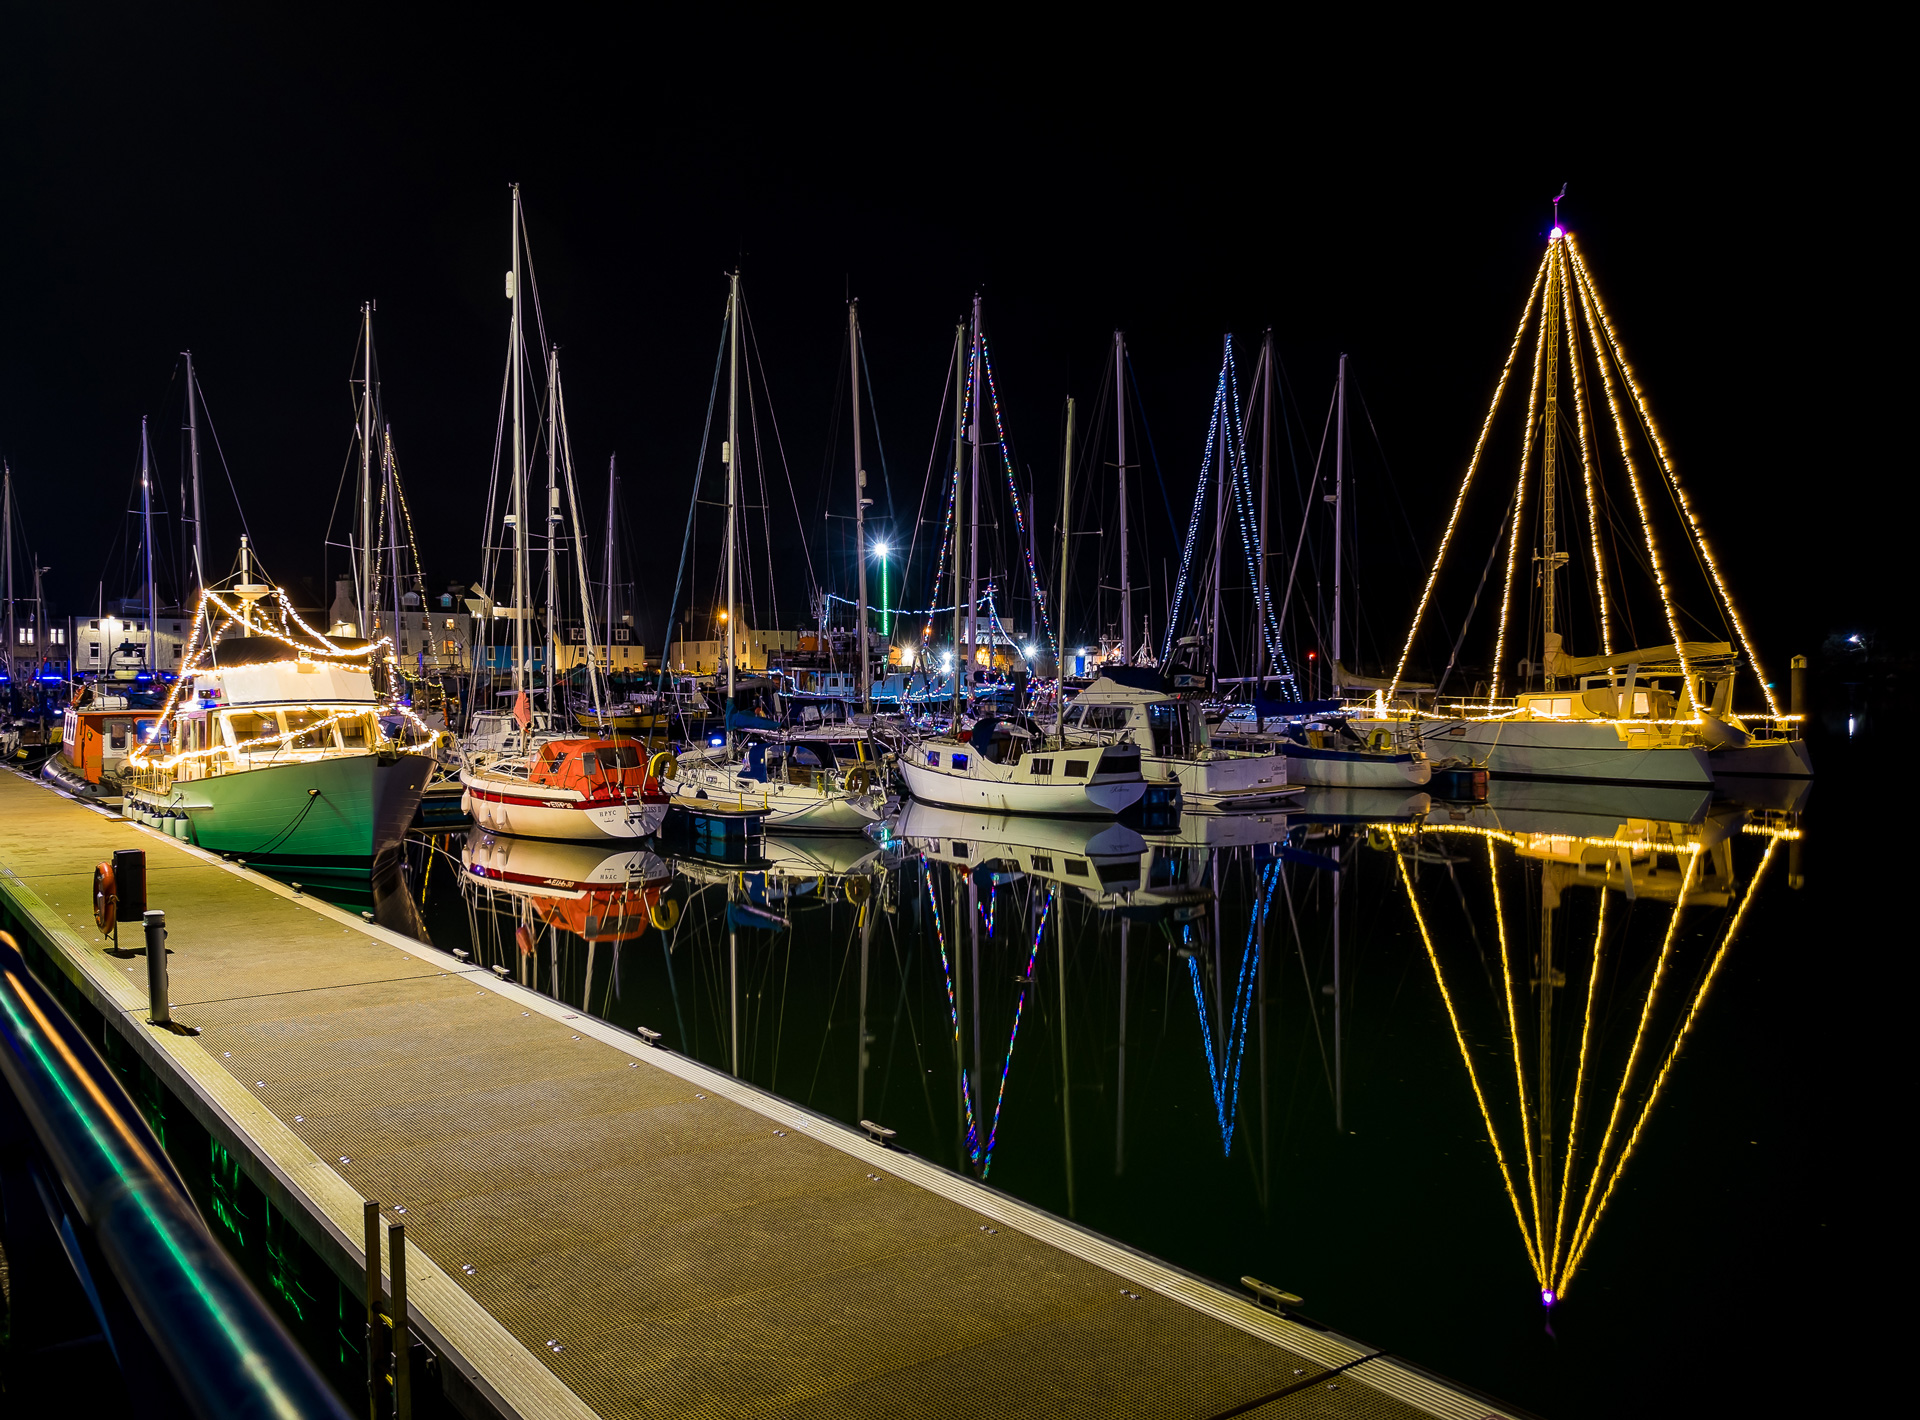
245	725
116	734
309	729
1073	715
933	758
1076	867
1042	864
959	761
959	849
1077	767
1118	875
1165	871
620	757
1640	704
805	757
1106	717
358	732
1163	722
1040	766
589	764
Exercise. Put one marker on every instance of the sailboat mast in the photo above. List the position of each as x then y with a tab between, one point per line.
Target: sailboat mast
391	495
1339	517
1550	558
553	525
193	463
366	471
613	492
1260	566
1120	427
146	514
959	502
1066	508
6	561
520	647
730	454
860	501
1219	544
973	498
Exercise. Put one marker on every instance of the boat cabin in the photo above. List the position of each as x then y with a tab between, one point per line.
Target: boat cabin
1134	702
594	767
1599	698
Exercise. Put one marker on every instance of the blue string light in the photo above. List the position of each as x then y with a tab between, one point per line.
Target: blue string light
1033	956
953	1008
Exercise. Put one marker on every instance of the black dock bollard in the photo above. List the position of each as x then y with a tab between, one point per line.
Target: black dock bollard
158	1010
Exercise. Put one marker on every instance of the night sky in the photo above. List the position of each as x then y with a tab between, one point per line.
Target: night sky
239	186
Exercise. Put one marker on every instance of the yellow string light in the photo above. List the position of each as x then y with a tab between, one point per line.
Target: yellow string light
1633	1055
1592	290
1513	1035
1660	1080
1520	496
1493	1137
1579	1086
1459	502
1633	478
1582	418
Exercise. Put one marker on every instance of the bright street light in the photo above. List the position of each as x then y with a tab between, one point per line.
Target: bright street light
879	549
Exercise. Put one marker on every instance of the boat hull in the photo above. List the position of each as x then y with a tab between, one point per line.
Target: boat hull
1765	759
1225	783
341	812
995	796
1586	751
788	807
1356	769
505	804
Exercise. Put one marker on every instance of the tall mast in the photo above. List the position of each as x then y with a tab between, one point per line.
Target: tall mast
553	526
1339	514
1219	544
730	454
1550	557
6	561
1066	508
613	492
1120	425
959	503
193	461
146	513
514	352
860	501
391	496
1260	565
366	471
973	498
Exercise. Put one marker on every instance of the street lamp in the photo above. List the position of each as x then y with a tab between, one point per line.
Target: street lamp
880	551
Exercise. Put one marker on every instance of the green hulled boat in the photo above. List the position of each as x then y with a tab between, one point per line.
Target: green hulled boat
272	749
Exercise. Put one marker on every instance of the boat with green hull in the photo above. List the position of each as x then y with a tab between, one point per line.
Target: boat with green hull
272	747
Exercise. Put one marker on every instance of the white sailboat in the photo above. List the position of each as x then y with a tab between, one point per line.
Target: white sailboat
1654	715
1003	767
800	781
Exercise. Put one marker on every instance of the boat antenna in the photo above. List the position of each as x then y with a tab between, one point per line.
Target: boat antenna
1556	209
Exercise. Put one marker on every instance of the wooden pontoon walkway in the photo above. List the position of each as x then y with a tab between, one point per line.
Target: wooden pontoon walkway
646	1236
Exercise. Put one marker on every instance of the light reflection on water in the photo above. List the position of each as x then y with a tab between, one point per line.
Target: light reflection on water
1312	1047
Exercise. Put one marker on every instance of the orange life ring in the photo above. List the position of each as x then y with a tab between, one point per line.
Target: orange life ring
106	897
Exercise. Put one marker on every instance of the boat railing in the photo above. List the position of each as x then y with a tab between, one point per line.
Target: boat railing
147	1292
154	781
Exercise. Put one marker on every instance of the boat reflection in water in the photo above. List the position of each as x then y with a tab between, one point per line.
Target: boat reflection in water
525	893
1268	1012
1595	908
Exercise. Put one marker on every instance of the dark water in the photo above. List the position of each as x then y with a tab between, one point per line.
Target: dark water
1282	1048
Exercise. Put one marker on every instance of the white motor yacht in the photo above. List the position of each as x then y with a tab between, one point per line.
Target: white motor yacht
1004	768
1132	703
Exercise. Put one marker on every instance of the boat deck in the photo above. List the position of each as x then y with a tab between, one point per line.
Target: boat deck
599	1228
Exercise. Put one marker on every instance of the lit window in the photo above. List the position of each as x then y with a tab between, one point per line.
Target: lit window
959	761
57	635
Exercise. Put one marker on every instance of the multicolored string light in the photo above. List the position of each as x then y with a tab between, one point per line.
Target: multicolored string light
953	1009
1019	1009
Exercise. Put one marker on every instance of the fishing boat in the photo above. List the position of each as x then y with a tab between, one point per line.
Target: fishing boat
1658	714
270	746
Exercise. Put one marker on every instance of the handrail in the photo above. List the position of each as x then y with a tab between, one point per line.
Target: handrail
226	1352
